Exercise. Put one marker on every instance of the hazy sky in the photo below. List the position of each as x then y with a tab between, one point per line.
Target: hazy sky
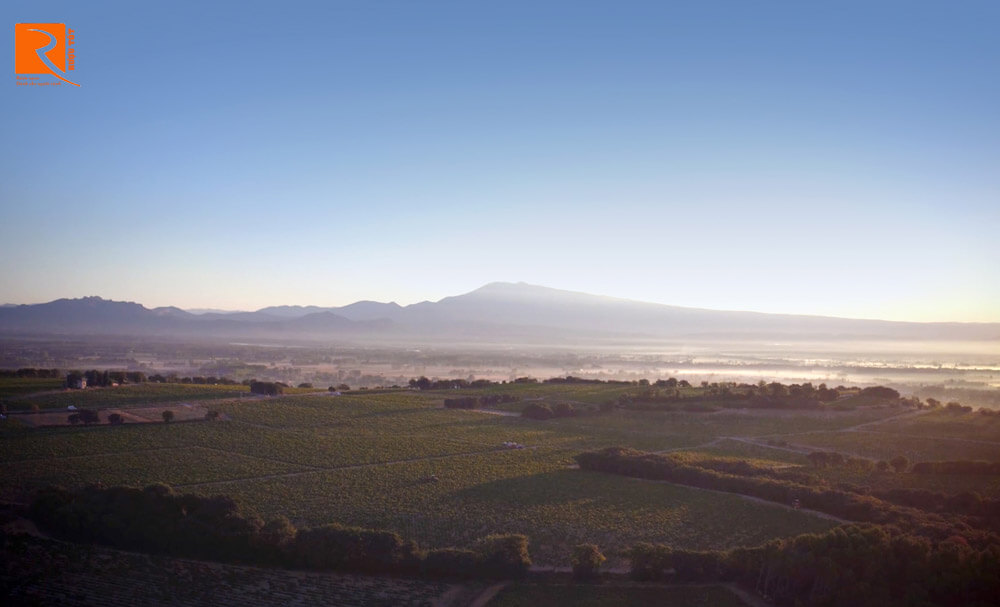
834	158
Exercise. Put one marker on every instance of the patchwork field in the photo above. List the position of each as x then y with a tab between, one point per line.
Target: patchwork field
400	461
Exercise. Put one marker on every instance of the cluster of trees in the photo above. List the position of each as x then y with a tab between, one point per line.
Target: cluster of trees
157	520
89	416
201	380
880	392
543	411
854	505
855	565
268	388
587	561
487	400
31	372
103	379
671	393
96	378
423	383
85	416
569	379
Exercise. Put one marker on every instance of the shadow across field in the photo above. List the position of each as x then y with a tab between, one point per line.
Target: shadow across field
545	489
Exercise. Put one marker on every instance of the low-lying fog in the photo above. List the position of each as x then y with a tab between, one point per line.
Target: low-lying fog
965	371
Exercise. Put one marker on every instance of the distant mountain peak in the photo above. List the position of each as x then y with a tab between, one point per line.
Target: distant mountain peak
506	311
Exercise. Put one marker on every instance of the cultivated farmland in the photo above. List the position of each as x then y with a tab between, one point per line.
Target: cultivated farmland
399	461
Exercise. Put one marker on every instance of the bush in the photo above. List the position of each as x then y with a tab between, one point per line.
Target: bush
168	416
89	416
267	388
587	561
352	548
504	556
880	392
899	463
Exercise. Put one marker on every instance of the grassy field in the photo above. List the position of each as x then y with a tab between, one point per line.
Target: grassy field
121	396
886	445
943	423
13	387
398	460
569	595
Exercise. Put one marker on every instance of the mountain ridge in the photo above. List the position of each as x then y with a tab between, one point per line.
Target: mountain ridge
495	311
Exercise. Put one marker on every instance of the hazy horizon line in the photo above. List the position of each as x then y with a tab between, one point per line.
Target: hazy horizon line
201	310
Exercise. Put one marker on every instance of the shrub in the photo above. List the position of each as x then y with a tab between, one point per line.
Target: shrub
899	463
351	548
880	392
267	388
587	561
504	556
89	416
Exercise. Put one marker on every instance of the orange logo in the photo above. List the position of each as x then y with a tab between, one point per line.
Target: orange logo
43	48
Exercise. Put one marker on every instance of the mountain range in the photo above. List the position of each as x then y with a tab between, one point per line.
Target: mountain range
496	313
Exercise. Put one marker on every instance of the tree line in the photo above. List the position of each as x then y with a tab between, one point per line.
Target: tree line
157	520
849	566
670	393
31	372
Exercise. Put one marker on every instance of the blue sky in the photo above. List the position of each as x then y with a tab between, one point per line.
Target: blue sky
836	158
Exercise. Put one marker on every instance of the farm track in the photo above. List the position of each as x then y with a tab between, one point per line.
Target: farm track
51	458
318	470
904	415
760	441
487	595
749	440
